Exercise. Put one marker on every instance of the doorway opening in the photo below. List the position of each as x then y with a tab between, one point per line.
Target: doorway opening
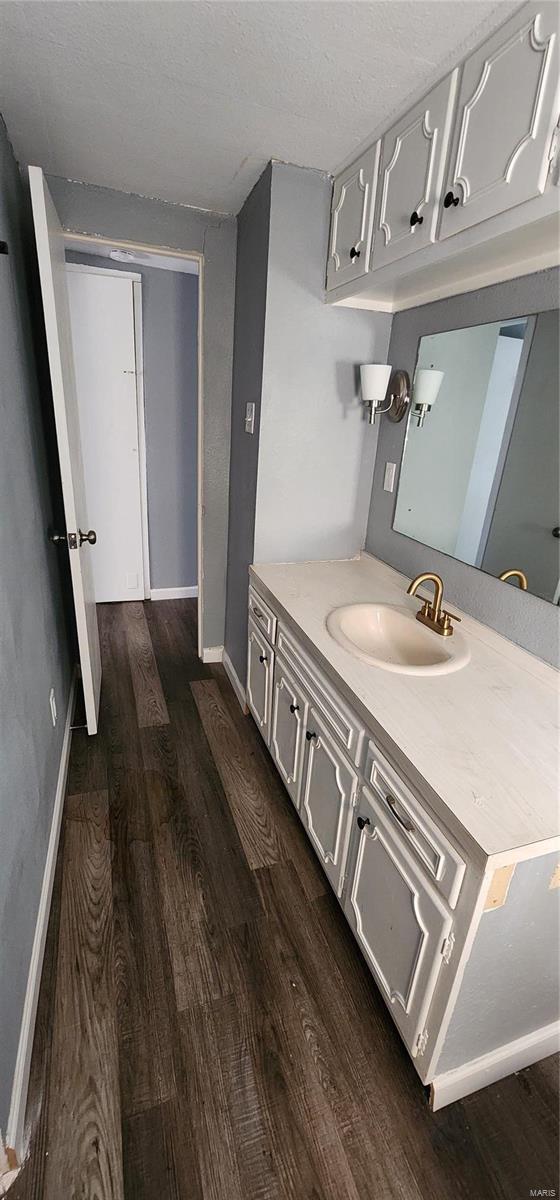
135	320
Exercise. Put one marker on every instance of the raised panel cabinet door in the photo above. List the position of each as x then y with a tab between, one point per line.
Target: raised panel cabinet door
329	790
260	667
400	922
352	220
289	717
506	115
413	158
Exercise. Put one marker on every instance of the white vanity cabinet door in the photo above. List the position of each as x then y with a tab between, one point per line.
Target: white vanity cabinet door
412	164
289	718
330	786
260	670
400	922
506	114
352	220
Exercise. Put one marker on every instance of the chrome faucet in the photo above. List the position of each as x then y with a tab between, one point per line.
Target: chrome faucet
433	615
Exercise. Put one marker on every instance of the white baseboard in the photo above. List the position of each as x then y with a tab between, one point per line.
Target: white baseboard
212	654
235	681
173	593
480	1072
15	1131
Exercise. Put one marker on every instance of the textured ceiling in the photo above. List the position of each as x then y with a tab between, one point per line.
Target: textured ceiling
188	101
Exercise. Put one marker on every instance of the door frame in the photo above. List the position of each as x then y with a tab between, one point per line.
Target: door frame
89	242
136	280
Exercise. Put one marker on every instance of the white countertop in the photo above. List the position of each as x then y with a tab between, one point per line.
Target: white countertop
484	739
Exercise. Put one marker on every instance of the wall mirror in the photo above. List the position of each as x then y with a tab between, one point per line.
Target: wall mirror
479	476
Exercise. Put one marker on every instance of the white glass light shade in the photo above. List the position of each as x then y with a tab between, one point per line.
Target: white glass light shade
427	383
374	378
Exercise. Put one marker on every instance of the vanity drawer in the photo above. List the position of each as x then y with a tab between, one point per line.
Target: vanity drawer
343	722
440	859
262	615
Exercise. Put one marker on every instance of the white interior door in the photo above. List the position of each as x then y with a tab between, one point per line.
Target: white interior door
52	269
102	320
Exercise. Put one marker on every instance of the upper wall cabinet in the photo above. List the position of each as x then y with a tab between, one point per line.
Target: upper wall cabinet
352	220
466	186
412	164
505	121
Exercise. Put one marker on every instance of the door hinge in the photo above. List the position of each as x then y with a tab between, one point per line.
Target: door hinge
422	1041
447	948
72	540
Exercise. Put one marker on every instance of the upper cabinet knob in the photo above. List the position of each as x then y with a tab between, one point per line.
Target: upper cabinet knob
354	253
415	219
450	199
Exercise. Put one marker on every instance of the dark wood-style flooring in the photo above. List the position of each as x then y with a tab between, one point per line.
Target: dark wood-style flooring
207	1029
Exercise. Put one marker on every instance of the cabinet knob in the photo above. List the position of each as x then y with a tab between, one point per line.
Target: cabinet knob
450	199
556	531
294	708
363	821
415	219
263	658
310	736
354	253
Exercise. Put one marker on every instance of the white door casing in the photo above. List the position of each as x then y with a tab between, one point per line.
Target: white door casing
413	159
506	115
289	718
330	785
103	335
260	673
401	922
49	237
352	220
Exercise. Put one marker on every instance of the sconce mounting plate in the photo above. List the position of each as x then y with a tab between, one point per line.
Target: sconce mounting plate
399	390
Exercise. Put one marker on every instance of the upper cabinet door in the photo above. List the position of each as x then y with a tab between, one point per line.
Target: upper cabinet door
352	220
507	112
412	164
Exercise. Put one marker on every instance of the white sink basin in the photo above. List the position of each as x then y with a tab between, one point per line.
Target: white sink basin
389	636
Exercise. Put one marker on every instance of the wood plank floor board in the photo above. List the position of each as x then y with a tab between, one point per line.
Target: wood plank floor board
247	797
151	708
85	1153
207	1027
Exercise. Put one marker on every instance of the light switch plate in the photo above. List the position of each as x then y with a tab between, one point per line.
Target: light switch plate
389	480
249	418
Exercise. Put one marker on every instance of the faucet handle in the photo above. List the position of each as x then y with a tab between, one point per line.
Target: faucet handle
445	621
452	616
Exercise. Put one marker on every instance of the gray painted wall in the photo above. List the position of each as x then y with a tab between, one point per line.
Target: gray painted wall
315	451
169	319
511	982
531	622
83	208
250	308
33	645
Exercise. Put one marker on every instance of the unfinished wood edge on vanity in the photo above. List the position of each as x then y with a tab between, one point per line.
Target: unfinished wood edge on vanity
212	654
16	1134
235	681
173	593
480	1072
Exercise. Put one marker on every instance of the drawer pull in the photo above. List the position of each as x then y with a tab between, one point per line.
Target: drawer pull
294	708
310	736
402	820
363	821
258	613
263	658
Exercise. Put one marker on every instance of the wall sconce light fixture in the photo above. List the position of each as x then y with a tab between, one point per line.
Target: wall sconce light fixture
427	383
384	391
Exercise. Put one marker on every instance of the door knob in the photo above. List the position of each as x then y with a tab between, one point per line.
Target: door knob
450	199
90	537
57	538
416	219
363	821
